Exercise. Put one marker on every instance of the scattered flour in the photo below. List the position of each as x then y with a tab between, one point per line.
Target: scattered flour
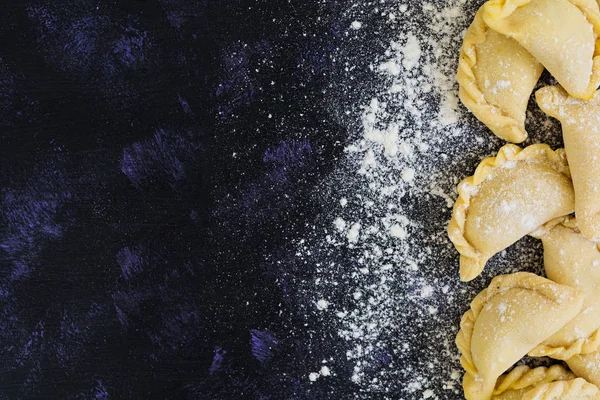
390	274
413	112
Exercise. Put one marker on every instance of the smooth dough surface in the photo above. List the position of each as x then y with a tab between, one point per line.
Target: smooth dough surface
581	133
586	366
496	77
561	34
571	259
506	320
506	199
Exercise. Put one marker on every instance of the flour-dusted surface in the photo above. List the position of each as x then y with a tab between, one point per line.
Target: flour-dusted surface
385	266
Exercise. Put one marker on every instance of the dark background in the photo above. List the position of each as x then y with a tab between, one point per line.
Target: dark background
157	160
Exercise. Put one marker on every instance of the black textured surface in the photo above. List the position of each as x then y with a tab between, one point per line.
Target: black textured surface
156	157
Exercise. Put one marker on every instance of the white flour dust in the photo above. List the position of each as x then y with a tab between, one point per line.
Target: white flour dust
391	287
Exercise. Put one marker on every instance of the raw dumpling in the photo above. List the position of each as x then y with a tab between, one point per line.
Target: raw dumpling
581	133
507	198
496	77
571	259
575	389
521	379
561	34
587	366
506	320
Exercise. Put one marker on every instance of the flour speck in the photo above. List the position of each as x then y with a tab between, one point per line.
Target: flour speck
322	304
356	25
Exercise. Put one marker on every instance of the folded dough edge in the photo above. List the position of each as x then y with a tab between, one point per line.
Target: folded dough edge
586	345
522	377
575	389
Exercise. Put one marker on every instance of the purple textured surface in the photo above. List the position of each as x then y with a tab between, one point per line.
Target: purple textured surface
154	171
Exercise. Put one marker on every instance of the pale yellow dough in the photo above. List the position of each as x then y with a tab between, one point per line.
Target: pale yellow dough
587	264
587	366
561	34
522	379
506	199
571	259
506	320
575	389
496	77
581	133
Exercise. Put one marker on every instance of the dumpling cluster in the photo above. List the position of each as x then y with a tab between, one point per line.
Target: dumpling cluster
509	44
532	191
525	314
